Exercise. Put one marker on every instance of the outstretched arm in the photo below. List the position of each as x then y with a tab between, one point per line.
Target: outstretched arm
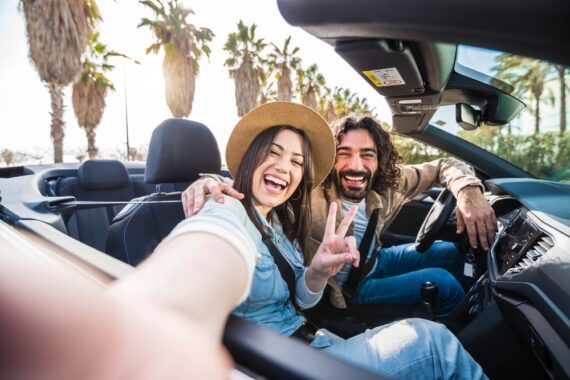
165	319
474	214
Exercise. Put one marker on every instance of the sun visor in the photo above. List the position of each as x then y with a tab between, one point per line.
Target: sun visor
388	65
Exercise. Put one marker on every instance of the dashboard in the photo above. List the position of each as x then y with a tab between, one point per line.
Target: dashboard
529	266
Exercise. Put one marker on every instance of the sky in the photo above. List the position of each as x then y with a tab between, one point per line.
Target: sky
25	104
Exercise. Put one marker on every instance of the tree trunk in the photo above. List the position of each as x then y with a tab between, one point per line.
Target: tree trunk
284	86
330	114
561	71
247	87
57	124
537	116
310	99
91	148
179	83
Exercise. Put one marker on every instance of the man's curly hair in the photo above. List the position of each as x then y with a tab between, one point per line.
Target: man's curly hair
388	174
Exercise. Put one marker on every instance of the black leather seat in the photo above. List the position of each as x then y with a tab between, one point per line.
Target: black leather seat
101	181
179	151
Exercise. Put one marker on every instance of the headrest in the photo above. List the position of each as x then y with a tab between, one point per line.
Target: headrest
102	174
179	151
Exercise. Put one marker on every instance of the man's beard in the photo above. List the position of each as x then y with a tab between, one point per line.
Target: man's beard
355	194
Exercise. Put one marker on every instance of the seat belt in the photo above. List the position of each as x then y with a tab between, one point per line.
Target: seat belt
284	267
356	274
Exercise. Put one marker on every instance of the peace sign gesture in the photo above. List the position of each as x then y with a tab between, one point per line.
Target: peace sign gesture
335	250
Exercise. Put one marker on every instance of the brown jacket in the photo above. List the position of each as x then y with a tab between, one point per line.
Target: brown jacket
447	172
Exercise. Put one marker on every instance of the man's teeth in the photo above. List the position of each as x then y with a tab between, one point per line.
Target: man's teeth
276	180
354	179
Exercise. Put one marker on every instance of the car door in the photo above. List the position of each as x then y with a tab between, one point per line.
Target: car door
405	226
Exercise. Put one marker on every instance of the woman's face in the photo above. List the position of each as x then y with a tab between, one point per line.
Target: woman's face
279	175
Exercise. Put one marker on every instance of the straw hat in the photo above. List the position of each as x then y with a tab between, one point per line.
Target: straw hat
284	113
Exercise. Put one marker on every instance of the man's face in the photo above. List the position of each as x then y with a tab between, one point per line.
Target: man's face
356	164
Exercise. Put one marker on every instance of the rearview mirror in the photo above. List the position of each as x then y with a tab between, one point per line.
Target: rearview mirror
468	117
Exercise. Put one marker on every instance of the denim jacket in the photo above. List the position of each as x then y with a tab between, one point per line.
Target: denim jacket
268	303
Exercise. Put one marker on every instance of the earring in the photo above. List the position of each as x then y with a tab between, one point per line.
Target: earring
295	196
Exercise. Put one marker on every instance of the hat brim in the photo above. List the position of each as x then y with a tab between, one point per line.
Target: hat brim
296	115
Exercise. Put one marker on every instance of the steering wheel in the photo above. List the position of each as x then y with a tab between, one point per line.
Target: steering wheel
435	220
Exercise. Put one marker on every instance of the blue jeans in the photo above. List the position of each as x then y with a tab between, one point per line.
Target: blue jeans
401	270
407	349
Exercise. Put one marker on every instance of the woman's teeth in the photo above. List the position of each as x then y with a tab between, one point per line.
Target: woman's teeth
276	181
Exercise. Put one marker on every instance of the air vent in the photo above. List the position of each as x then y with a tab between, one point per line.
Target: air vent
538	249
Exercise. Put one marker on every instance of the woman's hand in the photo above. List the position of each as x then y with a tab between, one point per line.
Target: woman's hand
335	251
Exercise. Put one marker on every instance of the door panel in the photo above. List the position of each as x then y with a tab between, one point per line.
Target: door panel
405	226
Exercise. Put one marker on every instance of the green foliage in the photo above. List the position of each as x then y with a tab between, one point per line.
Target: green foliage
545	155
283	59
244	46
96	63
415	152
174	33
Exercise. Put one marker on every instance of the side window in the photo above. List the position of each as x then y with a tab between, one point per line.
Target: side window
416	152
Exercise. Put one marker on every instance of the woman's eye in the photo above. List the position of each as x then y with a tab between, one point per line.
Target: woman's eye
298	163
274	152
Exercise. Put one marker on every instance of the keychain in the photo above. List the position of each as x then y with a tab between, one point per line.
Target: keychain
469	266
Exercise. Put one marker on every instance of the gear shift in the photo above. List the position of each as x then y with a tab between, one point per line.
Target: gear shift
429	292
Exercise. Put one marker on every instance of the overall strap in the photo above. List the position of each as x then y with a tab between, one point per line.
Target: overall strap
284	267
356	274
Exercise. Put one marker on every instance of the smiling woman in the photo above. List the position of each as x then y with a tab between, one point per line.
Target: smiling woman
272	148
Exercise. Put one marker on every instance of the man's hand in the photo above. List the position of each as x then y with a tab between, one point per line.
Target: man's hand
335	251
194	196
476	215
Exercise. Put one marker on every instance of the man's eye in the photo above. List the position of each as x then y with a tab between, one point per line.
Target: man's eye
369	155
342	154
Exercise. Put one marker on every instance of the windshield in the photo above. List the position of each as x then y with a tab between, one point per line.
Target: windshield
536	140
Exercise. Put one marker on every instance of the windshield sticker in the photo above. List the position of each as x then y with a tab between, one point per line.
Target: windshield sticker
385	77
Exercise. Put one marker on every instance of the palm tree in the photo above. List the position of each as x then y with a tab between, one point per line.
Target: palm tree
267	92
90	90
361	106
8	156
561	70
183	45
283	62
343	99
528	76
326	105
58	32
310	83
245	65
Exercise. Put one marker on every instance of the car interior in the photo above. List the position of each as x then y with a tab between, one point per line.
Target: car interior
515	317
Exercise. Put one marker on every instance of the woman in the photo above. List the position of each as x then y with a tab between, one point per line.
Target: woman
56	322
277	154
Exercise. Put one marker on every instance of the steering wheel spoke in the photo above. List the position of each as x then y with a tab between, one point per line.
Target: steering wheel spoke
435	221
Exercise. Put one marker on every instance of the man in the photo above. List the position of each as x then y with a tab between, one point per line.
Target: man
368	173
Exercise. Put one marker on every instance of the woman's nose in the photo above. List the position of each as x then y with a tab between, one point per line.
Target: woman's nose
281	165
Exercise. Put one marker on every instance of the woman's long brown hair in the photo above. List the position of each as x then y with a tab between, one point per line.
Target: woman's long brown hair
294	214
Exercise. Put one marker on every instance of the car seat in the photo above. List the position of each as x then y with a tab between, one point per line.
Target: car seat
179	151
99	181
